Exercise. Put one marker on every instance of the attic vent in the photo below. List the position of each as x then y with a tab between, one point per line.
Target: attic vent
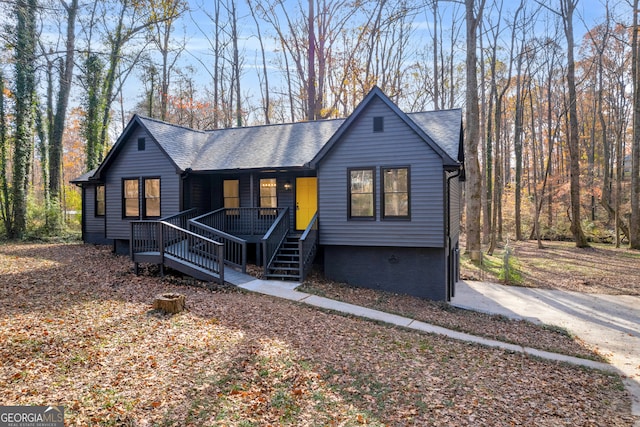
141	144
378	124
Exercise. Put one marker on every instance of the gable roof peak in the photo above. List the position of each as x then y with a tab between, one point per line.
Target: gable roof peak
144	119
377	93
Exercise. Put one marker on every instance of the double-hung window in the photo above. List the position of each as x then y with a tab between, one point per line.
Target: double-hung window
231	193
395	193
362	193
135	198
268	196
231	196
131	198
100	201
151	197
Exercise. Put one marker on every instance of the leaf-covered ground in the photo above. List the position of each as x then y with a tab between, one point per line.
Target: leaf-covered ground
524	333
599	269
77	329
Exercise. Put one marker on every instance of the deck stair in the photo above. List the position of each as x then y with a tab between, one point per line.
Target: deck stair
286	264
196	246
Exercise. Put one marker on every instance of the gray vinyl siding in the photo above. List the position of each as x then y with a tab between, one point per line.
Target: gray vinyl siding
93	225
397	146
131	163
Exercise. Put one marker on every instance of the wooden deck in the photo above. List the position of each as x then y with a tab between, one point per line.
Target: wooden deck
192	266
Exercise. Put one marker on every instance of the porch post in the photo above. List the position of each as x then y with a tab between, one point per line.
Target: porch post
253	201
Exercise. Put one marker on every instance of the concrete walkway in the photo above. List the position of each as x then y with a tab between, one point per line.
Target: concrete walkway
286	290
609	323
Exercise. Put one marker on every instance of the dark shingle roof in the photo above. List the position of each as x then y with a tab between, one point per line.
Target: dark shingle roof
272	146
282	145
277	146
84	178
180	143
443	126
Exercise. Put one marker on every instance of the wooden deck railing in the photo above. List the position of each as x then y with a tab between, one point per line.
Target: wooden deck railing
308	246
181	219
193	248
151	241
274	237
145	237
211	240
235	248
241	221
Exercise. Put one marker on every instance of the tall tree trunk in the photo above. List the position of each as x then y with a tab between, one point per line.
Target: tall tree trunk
634	222
473	184
266	102
5	202
311	64
64	89
436	83
92	124
568	7
517	147
24	119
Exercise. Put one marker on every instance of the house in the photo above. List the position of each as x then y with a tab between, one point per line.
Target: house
376	195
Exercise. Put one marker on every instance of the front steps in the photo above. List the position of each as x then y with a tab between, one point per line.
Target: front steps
286	264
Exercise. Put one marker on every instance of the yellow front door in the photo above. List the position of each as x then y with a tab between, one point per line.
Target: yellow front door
306	201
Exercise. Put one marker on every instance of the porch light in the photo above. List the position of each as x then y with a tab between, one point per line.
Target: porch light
287	186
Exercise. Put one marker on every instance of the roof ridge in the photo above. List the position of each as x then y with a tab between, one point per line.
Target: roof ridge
435	111
273	125
162	122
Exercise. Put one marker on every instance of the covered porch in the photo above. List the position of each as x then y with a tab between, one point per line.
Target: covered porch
203	246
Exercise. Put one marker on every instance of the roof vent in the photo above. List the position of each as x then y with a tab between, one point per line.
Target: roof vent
378	124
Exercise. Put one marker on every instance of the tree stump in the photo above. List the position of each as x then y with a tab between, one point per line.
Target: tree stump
169	303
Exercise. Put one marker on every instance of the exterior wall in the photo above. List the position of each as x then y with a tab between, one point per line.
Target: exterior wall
197	192
92	225
131	163
398	146
414	271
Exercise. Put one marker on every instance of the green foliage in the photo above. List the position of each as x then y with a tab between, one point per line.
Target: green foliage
94	103
47	222
509	272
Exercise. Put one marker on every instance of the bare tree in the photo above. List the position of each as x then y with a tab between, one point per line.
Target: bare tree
567	9
163	16
62	102
634	222
473	186
264	79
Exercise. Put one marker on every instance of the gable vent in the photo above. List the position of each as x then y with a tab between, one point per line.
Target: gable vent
141	144
378	124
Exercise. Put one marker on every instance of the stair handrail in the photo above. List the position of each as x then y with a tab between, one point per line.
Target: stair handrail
273	238
307	245
181	218
192	240
235	253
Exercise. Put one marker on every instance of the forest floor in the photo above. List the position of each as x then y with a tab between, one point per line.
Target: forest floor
77	329
599	269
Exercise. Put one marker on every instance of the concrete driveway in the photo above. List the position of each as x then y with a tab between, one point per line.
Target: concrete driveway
610	323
